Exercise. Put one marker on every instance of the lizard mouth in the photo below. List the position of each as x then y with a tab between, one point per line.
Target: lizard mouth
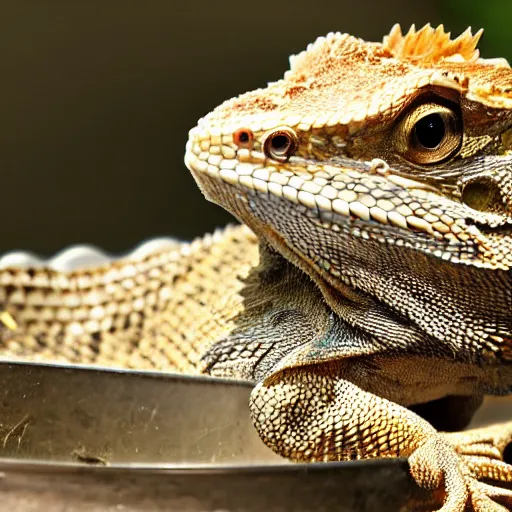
359	199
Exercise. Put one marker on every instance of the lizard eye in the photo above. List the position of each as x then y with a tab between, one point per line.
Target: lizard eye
430	134
280	144
243	138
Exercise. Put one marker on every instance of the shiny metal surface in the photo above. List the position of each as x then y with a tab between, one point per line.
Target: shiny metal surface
359	486
65	414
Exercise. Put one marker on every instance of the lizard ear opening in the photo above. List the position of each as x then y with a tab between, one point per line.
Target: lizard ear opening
481	194
429	134
485	193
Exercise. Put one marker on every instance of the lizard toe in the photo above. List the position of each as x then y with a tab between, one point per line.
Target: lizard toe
436	464
490	441
439	463
487	498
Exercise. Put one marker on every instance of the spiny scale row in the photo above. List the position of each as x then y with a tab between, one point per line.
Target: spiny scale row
135	267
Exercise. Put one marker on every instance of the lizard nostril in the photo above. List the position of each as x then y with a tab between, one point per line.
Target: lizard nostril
482	195
243	137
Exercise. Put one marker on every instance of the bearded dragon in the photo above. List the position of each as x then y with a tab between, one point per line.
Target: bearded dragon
368	293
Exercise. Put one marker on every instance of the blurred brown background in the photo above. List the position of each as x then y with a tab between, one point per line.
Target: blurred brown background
97	97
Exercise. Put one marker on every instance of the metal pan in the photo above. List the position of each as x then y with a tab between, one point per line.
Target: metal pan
83	438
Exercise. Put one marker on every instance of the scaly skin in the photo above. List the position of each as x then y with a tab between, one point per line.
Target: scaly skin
158	311
384	173
376	307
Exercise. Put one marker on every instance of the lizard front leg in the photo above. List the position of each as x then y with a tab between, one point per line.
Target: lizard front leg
314	414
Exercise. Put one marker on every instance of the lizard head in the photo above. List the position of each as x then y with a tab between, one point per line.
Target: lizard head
376	165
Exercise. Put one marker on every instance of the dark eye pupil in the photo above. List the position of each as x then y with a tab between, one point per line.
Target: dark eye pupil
280	142
243	137
430	131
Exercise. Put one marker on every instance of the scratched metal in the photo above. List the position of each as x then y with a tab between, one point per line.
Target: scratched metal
61	413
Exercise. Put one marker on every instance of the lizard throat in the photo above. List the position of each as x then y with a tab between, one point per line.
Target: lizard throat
350	254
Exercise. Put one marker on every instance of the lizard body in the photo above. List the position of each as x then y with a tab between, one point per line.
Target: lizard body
157	310
377	178
384	173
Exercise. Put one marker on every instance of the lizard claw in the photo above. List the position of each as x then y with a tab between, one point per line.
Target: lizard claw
459	461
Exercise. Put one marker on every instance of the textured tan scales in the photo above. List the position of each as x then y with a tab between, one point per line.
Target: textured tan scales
410	247
159	312
372	303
